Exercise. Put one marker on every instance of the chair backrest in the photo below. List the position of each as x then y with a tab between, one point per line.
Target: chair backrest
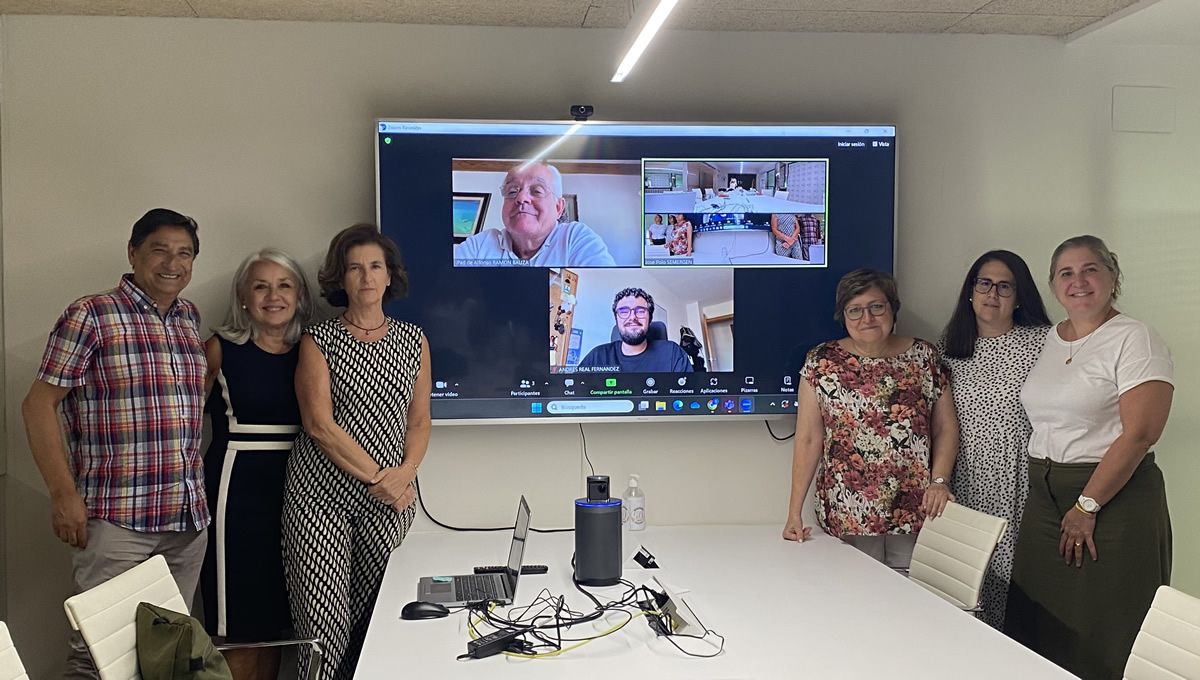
10	663
106	615
953	551
1168	645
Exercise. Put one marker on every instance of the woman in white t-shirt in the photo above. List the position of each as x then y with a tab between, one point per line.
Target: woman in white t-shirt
1098	399
656	231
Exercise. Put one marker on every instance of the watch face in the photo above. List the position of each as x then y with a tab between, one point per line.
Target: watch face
1088	504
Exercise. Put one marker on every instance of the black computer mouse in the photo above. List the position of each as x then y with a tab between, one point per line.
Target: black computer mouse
423	610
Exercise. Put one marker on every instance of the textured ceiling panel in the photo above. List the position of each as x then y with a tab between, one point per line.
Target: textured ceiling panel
1061	8
607	15
821	22
961	6
297	10
115	8
533	13
1017	24
1029	17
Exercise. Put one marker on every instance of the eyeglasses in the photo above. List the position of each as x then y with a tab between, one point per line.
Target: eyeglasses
1003	288
639	312
875	308
537	189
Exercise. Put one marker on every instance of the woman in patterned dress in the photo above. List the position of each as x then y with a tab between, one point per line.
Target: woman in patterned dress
992	340
252	402
876	415
363	385
679	238
786	232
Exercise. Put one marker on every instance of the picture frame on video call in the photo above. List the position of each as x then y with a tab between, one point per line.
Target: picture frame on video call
469	211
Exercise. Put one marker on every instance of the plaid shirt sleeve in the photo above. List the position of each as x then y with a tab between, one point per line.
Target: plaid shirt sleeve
72	344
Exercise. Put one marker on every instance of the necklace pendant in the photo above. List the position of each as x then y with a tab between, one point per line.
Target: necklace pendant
1068	361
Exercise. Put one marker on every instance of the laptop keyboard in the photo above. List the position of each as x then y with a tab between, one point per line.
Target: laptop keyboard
476	587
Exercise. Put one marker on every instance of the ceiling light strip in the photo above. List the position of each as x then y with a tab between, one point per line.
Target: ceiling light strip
639	45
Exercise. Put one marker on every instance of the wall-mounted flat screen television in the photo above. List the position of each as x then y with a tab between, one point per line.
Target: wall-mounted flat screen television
581	271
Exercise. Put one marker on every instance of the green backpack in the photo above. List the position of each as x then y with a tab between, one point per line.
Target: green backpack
174	646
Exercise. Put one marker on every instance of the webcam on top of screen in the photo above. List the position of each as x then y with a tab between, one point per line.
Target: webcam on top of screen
581	112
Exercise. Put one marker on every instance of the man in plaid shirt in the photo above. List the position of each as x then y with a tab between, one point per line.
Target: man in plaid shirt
126	368
810	231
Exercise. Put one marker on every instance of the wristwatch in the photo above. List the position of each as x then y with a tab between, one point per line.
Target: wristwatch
1088	505
938	480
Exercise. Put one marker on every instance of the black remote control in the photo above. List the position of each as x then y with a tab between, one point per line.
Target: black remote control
525	570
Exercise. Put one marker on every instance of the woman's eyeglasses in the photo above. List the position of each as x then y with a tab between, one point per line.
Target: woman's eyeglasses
1003	288
876	309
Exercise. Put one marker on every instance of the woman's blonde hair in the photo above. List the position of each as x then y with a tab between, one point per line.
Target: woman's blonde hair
238	326
1097	245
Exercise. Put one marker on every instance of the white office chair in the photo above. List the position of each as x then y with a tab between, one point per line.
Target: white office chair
10	663
952	554
106	618
1168	645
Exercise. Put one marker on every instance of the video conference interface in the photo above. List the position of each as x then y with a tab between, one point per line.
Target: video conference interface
628	270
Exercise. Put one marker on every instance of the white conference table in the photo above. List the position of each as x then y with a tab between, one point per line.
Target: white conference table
820	609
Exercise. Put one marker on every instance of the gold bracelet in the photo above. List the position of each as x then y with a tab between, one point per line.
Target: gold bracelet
1080	509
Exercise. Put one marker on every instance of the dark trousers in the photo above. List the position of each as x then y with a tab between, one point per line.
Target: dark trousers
1086	618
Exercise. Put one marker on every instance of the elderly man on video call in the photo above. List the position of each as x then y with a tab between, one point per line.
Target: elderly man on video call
635	352
532	234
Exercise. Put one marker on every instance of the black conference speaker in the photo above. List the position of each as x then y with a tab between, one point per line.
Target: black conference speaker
598	540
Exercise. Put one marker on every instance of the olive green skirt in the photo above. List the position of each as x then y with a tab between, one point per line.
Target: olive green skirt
1085	618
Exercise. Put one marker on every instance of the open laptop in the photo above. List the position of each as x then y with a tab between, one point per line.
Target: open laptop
464	589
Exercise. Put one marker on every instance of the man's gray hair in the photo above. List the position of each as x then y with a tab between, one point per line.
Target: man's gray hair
555	175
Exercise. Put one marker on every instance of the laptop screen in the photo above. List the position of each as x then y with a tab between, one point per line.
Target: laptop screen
516	552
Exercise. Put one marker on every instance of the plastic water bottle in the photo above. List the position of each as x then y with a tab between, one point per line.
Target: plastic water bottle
633	506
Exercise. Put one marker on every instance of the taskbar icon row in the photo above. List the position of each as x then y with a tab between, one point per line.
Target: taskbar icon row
728	404
633	386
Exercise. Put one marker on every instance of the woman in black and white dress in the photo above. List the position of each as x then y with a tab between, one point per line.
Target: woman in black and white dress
363	386
252	403
992	341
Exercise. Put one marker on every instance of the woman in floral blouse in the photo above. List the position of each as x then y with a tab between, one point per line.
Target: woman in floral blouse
679	236
876	411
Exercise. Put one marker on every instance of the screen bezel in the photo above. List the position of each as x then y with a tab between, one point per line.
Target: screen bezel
626	418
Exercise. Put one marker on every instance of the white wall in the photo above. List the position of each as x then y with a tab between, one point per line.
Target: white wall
263	132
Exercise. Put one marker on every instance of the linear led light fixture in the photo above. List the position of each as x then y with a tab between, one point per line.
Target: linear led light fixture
643	39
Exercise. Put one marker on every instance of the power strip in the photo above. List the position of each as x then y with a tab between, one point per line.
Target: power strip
494	643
